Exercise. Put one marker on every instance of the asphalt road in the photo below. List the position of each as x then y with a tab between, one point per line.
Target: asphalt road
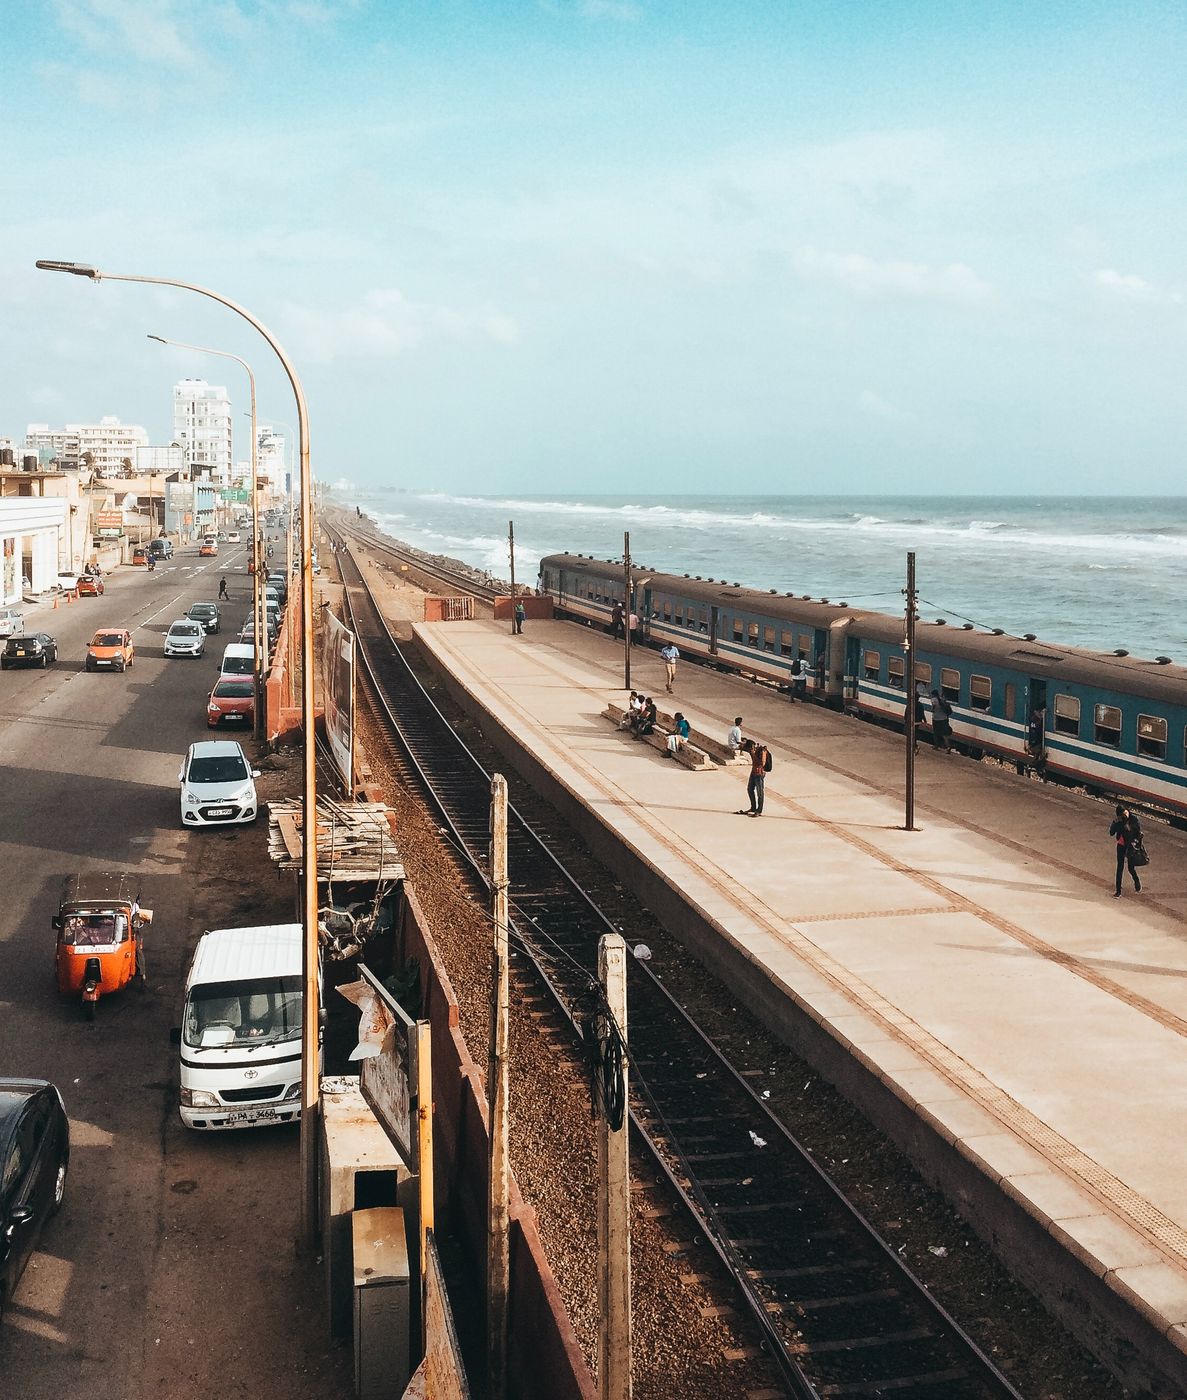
171	1270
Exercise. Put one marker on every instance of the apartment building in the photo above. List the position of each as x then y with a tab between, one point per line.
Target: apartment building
202	425
109	445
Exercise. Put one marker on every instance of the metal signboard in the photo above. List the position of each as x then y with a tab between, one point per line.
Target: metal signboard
388	1074
109	519
338	695
445	1372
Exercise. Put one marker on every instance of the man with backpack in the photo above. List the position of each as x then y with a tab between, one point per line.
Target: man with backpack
761	764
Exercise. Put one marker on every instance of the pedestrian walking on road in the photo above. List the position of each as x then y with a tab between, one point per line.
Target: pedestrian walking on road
1127	831
223	595
520	613
671	655
616	628
760	766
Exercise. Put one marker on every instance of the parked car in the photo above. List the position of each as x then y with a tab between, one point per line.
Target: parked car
34	1161
247	633
12	621
29	649
217	784
185	637
111	649
279	582
207	614
238	660
68	581
232	699
161	548
90	586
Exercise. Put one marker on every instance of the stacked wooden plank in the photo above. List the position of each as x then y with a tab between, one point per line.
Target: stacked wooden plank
355	841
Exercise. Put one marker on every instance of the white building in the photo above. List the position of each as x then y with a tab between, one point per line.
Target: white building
202	424
109	445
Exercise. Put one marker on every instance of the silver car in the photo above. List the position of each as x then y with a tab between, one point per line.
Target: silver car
185	638
12	622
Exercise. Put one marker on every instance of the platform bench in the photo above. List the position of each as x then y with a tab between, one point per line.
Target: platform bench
688	755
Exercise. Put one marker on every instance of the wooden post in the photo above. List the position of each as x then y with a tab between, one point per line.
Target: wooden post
498	1253
909	681
511	547
626	608
614	1202
424	1115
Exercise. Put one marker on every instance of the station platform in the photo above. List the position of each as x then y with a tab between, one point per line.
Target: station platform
973	984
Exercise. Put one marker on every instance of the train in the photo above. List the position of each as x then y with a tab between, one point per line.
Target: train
1112	723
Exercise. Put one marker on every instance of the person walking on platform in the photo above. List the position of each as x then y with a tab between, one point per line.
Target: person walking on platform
671	655
734	737
760	766
616	629
679	735
223	595
1127	831
520	613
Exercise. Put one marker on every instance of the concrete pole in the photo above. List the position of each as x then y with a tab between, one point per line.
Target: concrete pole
909	681
498	1253
614	1203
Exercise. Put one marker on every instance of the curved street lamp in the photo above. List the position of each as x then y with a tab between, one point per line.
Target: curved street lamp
260	650
309	961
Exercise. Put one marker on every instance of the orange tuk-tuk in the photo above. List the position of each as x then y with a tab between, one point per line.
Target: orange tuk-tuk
100	948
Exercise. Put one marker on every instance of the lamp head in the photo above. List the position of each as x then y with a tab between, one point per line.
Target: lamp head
161	338
77	269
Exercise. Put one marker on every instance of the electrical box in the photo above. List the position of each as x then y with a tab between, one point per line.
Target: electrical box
382	1304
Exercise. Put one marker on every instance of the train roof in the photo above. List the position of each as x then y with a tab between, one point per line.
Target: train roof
1158	679
817	612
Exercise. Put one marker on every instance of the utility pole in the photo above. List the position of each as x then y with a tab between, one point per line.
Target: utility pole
614	1200
909	681
626	609
511	547
498	1247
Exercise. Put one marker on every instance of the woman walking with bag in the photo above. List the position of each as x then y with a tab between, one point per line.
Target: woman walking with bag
1128	833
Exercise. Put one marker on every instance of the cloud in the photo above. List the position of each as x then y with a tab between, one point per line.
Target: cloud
1134	288
867	277
144	29
385	324
878	407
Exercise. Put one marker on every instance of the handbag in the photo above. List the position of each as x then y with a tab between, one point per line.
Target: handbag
1138	853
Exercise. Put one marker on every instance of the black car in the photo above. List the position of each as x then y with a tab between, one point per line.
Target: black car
207	614
32	649
34	1160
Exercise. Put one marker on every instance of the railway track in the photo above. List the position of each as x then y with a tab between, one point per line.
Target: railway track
437	570
838	1311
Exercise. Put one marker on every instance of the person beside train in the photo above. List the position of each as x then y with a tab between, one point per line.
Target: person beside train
799	681
616	629
920	711
1127	831
941	722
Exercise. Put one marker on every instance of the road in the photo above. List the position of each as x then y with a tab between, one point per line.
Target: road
171	1270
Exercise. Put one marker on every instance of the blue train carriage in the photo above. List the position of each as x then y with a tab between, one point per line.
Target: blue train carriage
756	634
1107	721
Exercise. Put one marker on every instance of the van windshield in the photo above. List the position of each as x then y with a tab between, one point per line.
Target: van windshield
264	1011
238	665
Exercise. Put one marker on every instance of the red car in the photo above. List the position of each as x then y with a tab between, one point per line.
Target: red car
233	698
89	586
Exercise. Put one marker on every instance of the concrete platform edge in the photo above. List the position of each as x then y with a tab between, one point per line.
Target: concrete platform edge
1144	1348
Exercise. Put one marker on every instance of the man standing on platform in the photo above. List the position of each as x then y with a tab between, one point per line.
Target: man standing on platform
760	765
670	655
520	613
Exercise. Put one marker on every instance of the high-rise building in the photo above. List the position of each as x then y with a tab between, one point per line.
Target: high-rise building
109	446
202	424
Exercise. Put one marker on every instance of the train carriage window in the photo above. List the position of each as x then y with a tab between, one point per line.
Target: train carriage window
1151	736
768	639
704	619
752	635
923	674
1107	729
872	665
1011	702
950	685
1067	715
980	692
739	631
896	668
786	643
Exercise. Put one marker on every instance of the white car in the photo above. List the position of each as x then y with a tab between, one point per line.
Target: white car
233	537
12	622
185	638
217	784
67	581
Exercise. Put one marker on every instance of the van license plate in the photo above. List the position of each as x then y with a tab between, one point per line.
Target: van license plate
251	1115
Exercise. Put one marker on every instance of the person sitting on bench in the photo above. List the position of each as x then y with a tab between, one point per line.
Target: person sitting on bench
646	720
678	736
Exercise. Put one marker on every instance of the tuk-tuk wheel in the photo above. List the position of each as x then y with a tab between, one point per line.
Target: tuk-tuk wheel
88	1010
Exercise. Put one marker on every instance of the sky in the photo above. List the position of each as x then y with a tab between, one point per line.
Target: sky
617	245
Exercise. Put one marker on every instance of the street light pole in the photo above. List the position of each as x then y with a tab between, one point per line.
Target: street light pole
260	667
309	963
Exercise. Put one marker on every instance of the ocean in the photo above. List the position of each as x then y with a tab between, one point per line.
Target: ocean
1093	572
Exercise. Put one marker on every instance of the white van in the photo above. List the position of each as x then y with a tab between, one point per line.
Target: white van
240	1035
238	660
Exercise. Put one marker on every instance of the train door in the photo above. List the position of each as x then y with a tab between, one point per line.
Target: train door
819	661
1036	703
645	611
852	667
713	621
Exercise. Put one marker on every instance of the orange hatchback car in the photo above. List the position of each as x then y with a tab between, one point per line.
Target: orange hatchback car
233	698
111	649
89	586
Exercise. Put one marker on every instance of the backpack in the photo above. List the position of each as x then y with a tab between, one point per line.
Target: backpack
768	762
